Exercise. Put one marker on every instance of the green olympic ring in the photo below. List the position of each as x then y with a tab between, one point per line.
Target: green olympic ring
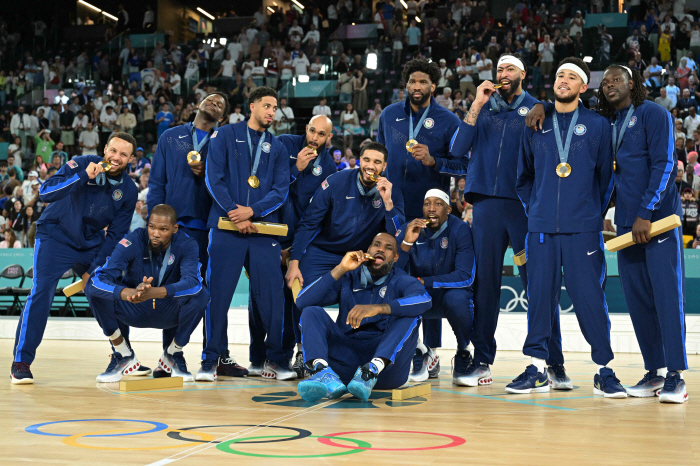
225	447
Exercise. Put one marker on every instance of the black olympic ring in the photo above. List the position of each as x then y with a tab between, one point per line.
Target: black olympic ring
302	433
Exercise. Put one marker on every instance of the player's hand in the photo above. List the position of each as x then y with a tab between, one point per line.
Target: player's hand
197	168
413	230
284	257
641	231
422	282
240	214
93	170
384	188
352	260
360	312
85	277
535	117
246	227
483	93
305	156
422	154
293	273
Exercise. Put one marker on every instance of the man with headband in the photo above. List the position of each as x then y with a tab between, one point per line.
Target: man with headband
492	132
438	250
376	328
418	133
565	183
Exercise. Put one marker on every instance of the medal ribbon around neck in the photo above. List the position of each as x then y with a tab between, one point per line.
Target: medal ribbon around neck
617	143
258	151
199	144
498	102
413	132
564	150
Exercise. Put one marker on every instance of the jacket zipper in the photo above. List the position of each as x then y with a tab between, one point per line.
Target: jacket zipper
500	148
558	196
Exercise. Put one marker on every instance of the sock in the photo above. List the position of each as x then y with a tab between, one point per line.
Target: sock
122	348
539	364
173	348
423	349
600	367
662	372
115	335
379	364
319	361
299	348
681	374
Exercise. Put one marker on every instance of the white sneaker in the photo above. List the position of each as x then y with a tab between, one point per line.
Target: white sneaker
273	370
207	371
255	369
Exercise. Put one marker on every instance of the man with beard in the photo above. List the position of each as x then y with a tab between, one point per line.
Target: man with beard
376	328
151	280
492	131
83	200
247	174
565	183
177	179
418	134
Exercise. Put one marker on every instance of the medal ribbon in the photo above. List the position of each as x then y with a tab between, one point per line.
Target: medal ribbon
437	233
366	277
617	143
413	132
162	267
258	151
199	144
564	151
361	188
498	103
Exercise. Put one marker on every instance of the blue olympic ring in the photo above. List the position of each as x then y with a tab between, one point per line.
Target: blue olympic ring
158	426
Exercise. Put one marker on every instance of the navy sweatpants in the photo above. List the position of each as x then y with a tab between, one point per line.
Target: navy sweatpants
181	314
229	252
455	305
322	338
582	257
496	222
653	282
51	260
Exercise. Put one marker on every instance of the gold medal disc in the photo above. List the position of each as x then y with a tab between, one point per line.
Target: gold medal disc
374	177
253	181
410	144
312	148
193	157
106	166
563	170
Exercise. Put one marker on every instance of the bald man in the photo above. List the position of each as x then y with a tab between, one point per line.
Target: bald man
376	328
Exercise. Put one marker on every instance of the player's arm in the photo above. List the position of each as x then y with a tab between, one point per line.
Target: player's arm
465	265
325	291
393	211
604	166
190	279
311	221
70	178
280	187
402	261
105	281
216	166
660	133
158	179
380	129
535	117
526	170
116	231
414	300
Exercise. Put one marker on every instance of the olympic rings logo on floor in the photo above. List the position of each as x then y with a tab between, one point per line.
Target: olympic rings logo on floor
336	440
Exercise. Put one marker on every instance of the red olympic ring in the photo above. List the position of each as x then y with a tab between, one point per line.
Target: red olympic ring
456	441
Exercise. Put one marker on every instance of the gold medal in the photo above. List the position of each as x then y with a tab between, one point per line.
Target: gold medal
410	144
193	157
615	165
368	257
253	181
563	170
373	177
312	148
106	166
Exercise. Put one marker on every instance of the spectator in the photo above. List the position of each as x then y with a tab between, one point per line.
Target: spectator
374	115
322	108
126	122
664	100
338	159
692	244
445	76
11	241
681	184
284	118
485	67
445	100
136	220
350	125
20	124
692	121
679	134
672	91
360	92
690	208
19	174
15	149
27	195
692	161
344	87
88	140
546	48
15	217
164	119
108	122
236	116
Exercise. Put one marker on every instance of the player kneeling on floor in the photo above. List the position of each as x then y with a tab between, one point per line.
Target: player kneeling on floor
376	328
151	280
439	251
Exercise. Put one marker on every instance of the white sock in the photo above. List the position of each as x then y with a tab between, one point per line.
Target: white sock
379	363
299	348
317	361
115	335
601	367
422	347
539	364
173	348
122	348
662	372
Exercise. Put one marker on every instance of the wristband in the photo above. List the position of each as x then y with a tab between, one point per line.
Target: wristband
407	244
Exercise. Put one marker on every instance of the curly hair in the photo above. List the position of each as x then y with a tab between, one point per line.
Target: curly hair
637	95
424	66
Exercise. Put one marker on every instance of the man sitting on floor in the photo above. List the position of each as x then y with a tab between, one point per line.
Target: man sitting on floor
376	328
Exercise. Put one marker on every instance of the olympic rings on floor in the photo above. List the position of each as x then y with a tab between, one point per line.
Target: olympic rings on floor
226	447
328	440
73	441
157	427
177	434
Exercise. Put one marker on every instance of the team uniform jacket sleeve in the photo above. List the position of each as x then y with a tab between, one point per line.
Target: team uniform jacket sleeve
311	221
280	188
325	291
158	179
105	280
604	166
116	231
660	133
403	261
464	140
190	280
465	266
66	181
214	172
526	170
414	300
394	218
380	130
293	170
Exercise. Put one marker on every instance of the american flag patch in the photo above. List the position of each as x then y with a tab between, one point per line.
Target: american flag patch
324	185
125	242
73	164
214	135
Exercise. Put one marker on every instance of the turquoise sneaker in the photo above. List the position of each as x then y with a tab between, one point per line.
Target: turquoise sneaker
322	382
364	381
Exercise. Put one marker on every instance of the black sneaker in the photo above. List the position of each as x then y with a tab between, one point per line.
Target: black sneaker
228	367
142	371
21	374
298	365
461	362
159	372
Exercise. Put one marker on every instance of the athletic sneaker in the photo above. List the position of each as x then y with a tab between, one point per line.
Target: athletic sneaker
674	389
461	361
558	379
142	371
650	385
255	368
608	385
21	374
159	373
119	366
207	371
476	374
530	381
363	382
425	366
275	370
229	368
299	366
322	382
176	365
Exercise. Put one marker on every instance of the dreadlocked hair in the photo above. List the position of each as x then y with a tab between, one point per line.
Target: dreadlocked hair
637	95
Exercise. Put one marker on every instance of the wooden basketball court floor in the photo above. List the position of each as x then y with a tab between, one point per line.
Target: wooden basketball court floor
66	418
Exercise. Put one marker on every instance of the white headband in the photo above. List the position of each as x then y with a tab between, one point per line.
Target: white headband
628	70
576	69
511	60
439	194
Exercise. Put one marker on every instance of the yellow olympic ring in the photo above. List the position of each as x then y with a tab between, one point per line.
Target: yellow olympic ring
73	440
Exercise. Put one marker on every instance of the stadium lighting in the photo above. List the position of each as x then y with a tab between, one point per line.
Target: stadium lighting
303	78
418	20
271	10
296	2
404	4
90	6
324	69
222	41
206	14
372	61
112	17
587	59
265	63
